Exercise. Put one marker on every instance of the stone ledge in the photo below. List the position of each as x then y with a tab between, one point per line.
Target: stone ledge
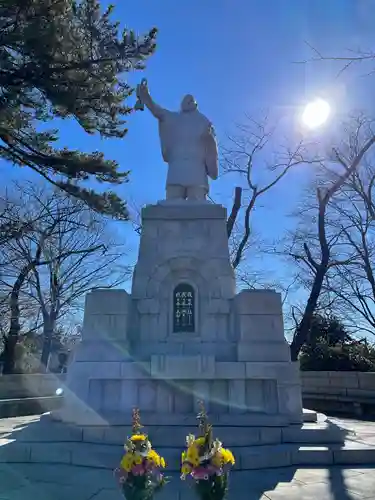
163	437
337	397
310	416
183	367
230	370
102	351
313	434
254	302
273	351
101	369
282	371
308	375
317	455
247	458
107	301
87	418
187	367
184	211
316	389
16	407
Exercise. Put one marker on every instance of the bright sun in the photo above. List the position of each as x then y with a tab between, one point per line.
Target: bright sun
316	113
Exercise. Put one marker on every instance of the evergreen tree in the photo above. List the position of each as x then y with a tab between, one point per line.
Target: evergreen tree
328	329
66	59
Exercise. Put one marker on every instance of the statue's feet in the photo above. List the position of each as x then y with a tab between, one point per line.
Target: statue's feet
183	201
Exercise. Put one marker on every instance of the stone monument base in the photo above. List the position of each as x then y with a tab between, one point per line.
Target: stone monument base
184	335
259	442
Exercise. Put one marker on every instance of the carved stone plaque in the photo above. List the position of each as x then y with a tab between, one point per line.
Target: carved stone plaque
184	308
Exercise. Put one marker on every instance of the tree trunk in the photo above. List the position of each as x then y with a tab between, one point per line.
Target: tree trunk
48	329
303	329
8	354
15	327
235	209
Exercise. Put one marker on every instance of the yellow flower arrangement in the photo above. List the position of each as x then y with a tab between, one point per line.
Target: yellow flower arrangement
139	471
191	458
127	462
227	456
223	457
138	437
133	458
207	462
156	459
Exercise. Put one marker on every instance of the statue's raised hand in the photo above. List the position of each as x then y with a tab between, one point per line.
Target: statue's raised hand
142	95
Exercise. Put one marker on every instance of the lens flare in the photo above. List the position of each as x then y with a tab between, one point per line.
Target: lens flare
316	113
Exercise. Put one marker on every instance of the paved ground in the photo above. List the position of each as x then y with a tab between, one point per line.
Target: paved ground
28	481
48	482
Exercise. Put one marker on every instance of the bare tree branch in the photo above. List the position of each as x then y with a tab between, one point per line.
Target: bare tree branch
68	253
349	158
235	210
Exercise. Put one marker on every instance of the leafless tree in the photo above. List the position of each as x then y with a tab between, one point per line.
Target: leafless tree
67	254
351	58
12	224
353	286
339	166
245	156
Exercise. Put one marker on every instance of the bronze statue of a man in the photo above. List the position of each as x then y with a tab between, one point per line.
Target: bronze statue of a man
188	145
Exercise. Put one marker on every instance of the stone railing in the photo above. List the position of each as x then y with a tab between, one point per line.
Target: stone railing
27	385
348	392
29	394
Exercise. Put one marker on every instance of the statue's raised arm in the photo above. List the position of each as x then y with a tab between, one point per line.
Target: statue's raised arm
144	98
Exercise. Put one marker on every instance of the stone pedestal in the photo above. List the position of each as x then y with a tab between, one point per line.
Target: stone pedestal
183	333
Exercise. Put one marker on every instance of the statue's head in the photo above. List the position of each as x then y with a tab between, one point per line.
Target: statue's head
188	103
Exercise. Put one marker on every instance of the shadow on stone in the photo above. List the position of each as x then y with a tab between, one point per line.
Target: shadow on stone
37	449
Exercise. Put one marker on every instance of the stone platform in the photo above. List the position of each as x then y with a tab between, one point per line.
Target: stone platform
184	334
65	482
258	444
52	461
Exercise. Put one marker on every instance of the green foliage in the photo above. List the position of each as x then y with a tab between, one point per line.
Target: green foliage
328	329
215	488
331	348
66	59
142	487
26	356
340	357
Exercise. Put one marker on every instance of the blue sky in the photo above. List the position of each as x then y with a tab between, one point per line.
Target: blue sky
234	56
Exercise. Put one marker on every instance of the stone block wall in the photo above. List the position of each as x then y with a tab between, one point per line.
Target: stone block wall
339	384
176	396
28	385
182	244
259	323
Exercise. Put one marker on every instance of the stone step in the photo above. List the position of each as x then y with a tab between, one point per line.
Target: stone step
322	432
160	435
174	436
310	415
247	458
82	415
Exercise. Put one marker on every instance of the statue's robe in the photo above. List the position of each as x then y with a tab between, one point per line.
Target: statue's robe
188	145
